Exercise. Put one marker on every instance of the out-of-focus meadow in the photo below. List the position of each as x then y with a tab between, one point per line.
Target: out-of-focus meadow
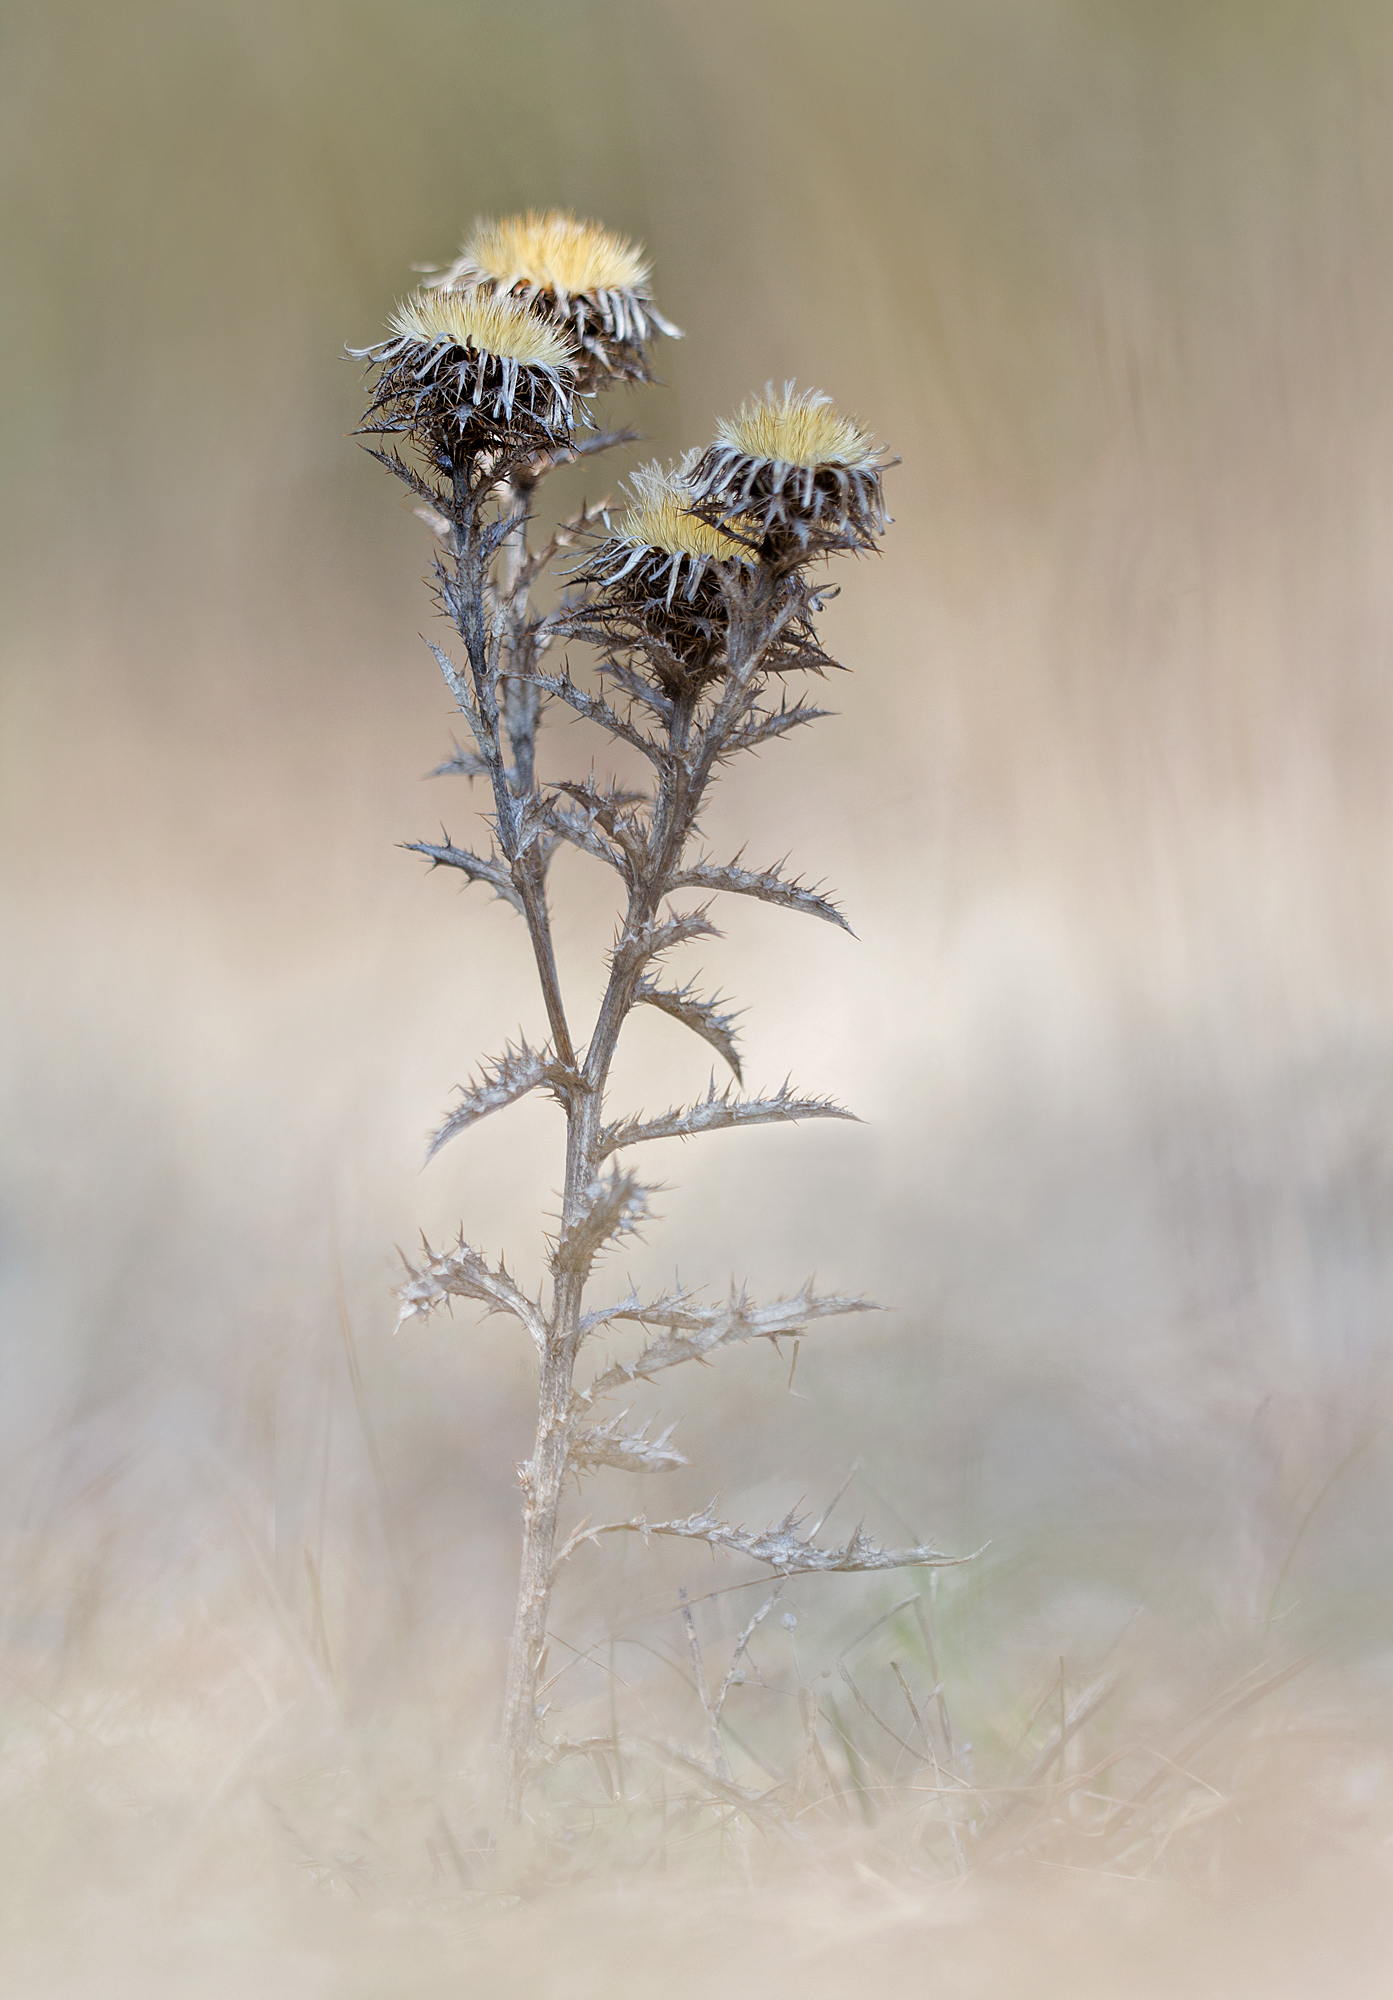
1106	801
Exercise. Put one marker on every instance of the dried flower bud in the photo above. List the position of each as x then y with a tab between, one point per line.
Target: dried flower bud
796	467
464	368
591	281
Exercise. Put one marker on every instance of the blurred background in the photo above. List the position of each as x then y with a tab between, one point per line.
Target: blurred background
1105	800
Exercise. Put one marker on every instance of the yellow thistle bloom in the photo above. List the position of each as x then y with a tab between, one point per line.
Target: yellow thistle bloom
553	253
792	429
665	577
661	519
658	539
586	279
797	468
488	325
457	362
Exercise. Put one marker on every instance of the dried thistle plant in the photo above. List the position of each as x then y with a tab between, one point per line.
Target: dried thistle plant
698	600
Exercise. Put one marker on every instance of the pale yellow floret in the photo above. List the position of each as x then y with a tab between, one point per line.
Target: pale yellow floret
799	430
659	519
554	252
494	326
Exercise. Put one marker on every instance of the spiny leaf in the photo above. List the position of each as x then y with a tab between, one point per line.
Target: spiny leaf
626	1451
433	497
461	764
636	948
719	1112
767	884
613	808
601	441
459	688
674	1309
581	830
612	1207
477	867
780	1545
764	725
463	1273
617	669
696	1331
502	1082
596	710
693	1012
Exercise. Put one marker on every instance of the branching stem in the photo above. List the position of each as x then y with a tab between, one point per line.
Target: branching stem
689	669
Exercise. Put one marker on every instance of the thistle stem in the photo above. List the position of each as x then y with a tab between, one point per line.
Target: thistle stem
544	1476
690	756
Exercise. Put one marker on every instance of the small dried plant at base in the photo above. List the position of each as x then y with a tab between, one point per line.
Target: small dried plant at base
694	620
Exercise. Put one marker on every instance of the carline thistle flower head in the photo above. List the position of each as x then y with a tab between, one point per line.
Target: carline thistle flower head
661	572
586	278
658	541
465	368
796	467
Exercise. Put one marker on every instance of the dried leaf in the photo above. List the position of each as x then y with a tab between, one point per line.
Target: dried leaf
768	885
693	1012
637	948
461	764
779	1546
581	830
502	1082
596	710
626	1451
460	689
463	1273
479	868
612	1207
717	1113
696	1331
765	725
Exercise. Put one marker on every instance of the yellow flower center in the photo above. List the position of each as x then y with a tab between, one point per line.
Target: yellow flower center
660	519
493	326
799	430
554	252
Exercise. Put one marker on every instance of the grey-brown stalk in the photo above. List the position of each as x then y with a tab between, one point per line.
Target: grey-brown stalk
698	601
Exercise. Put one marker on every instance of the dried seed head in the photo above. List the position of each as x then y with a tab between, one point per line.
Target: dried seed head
664	576
555	252
805	474
798	431
489	326
594	283
659	544
463	370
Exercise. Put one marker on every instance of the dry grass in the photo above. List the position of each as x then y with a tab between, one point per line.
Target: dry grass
234	1800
